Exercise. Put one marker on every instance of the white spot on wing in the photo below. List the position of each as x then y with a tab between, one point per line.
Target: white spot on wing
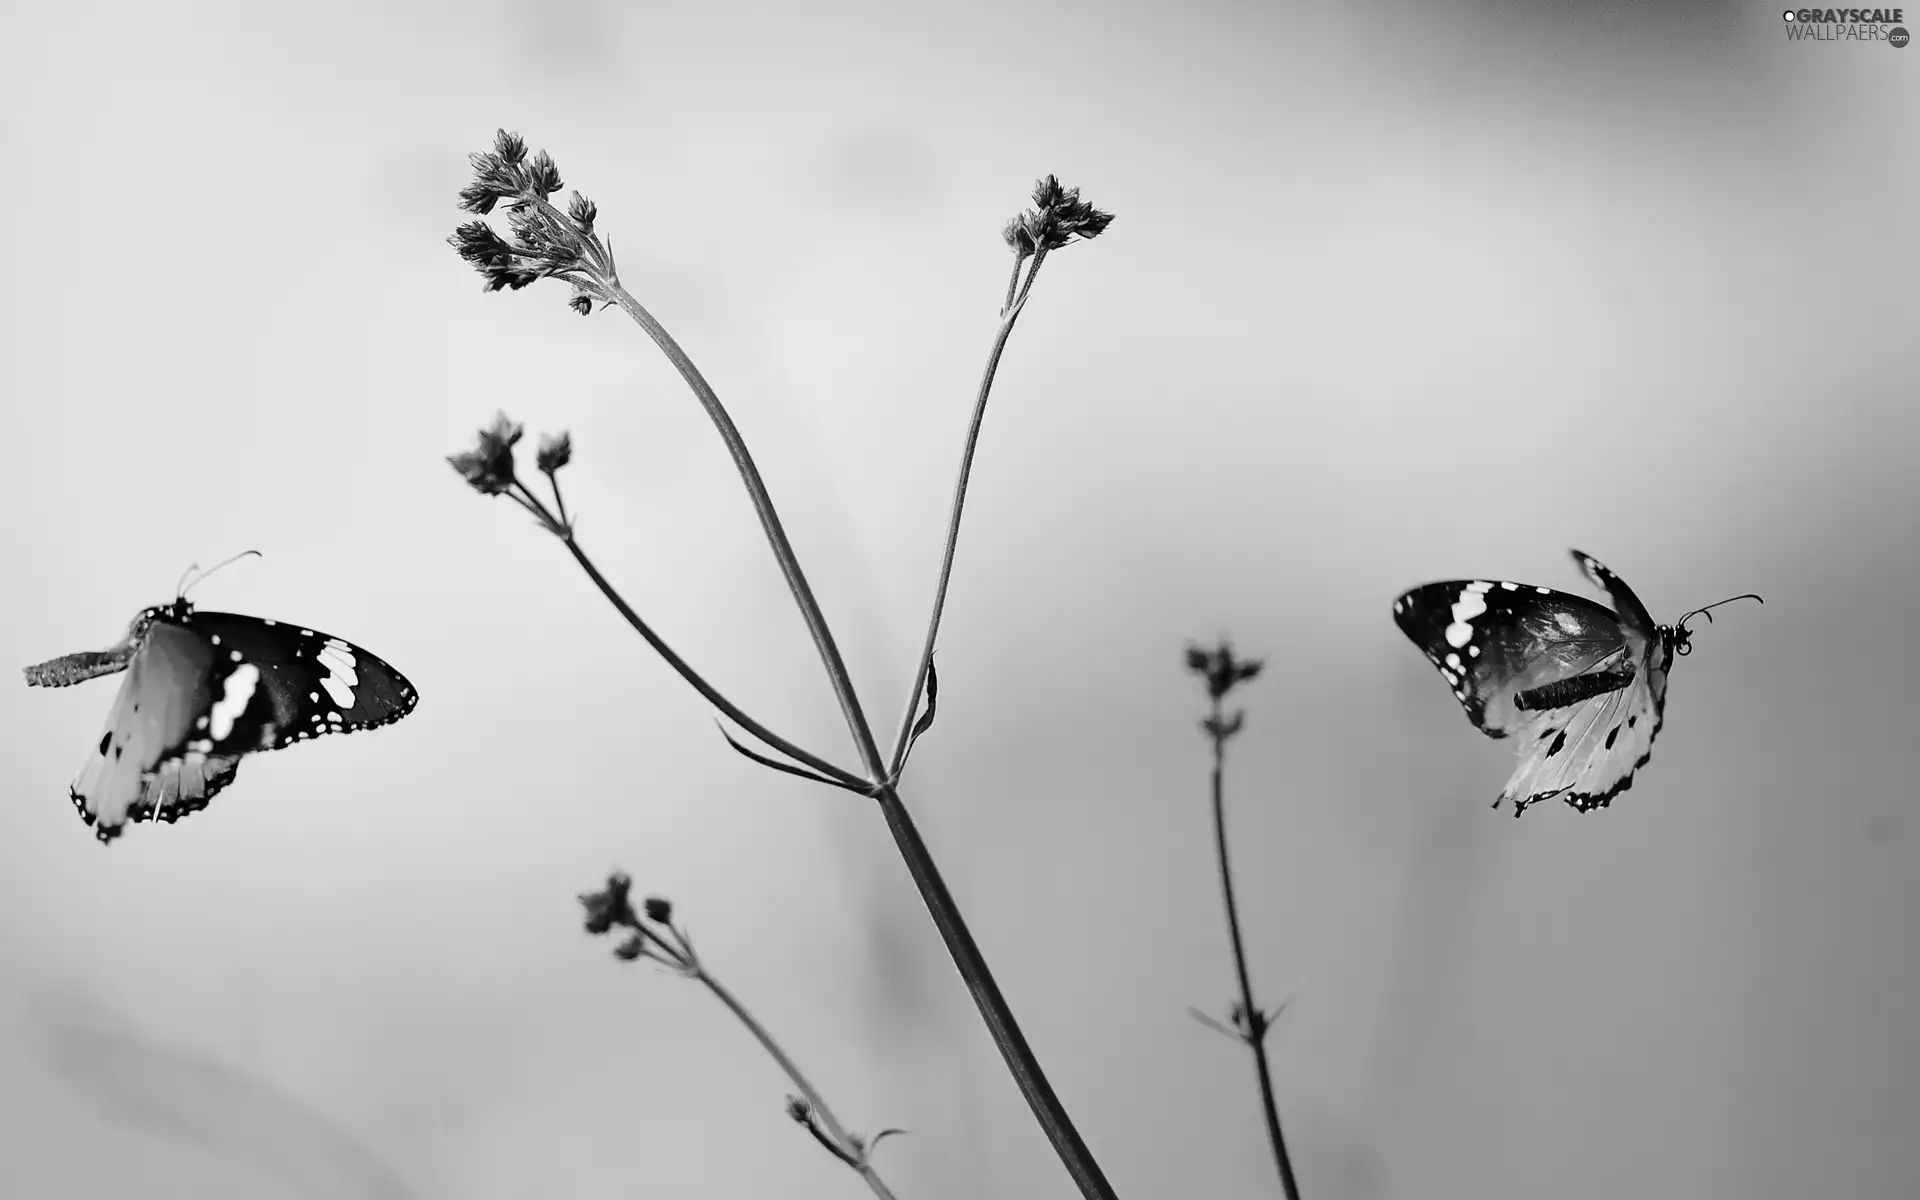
337	691
337	657
227	709
1470	605
1459	634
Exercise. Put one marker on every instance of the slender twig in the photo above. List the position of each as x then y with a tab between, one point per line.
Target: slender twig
1254	1034
564	532
842	1142
763	507
958	506
611	908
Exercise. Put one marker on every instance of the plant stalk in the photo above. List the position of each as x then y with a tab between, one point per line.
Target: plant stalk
1011	313
1255	1032
800	1082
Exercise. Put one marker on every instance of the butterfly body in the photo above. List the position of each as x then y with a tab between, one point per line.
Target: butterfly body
203	689
1582	688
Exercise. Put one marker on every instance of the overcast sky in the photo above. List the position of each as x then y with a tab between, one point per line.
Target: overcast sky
1395	293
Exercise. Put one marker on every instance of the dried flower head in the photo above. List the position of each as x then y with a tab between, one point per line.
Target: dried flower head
1221	670
1015	235
1057	217
632	948
556	451
799	1109
659	909
582	211
488	467
498	174
609	906
542	242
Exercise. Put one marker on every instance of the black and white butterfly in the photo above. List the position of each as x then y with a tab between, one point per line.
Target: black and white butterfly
1584	687
202	690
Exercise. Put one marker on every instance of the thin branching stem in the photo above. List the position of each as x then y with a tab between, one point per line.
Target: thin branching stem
1254	1034
842	1143
972	965
680	665
783	553
1012	314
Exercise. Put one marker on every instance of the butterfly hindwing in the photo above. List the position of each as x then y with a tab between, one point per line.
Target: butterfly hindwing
178	788
1587	753
172	684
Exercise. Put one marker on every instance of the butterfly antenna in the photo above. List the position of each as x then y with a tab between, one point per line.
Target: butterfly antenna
1705	612
181	588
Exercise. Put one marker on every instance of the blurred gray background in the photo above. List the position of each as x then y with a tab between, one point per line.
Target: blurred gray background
1396	293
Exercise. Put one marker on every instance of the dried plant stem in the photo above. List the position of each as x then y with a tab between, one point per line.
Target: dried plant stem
699	684
810	610
1255	1030
972	965
1010	314
842	1142
561	529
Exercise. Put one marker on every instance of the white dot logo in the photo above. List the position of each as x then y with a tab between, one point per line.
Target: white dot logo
1787	15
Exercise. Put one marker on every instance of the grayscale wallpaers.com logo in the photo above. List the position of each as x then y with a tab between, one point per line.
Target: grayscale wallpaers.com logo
1847	25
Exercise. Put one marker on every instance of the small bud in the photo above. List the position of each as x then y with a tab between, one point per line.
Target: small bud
632	948
480	245
543	176
610	906
478	198
582	211
1014	234
1222	671
488	467
658	909
510	147
799	1109
556	451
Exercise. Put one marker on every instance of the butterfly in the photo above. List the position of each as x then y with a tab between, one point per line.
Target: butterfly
1583	687
204	689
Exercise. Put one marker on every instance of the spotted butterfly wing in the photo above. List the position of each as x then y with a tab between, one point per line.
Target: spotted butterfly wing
1582	687
202	689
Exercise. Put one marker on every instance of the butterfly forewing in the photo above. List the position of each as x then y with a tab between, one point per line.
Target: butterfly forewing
1636	622
313	683
1493	640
